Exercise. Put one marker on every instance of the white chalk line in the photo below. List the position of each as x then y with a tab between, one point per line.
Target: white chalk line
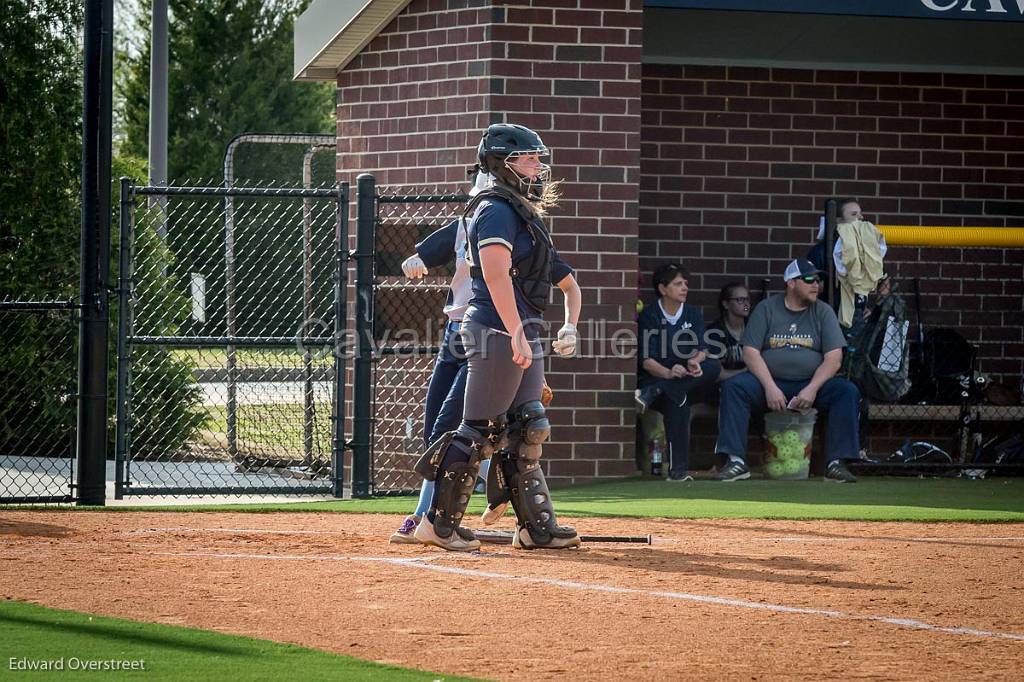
261	531
702	538
420	563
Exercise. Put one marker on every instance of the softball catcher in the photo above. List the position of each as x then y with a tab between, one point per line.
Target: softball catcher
513	264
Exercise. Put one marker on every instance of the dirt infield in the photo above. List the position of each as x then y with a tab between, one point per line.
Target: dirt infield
707	600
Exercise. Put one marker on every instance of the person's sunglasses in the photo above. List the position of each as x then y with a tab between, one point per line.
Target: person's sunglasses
740	299
811	279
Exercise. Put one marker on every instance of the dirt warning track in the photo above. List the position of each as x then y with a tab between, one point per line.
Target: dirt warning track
712	599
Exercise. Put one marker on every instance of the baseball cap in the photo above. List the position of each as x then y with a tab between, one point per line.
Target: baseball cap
800	268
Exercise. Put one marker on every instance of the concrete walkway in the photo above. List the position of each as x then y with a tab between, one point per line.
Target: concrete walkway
45	476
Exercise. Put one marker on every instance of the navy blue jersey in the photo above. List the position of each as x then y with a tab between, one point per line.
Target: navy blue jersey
438	247
496	222
441	247
667	343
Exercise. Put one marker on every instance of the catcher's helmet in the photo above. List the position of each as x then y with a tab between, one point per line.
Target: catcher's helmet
502	143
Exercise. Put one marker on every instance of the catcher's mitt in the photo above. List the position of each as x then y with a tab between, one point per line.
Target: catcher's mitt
546	395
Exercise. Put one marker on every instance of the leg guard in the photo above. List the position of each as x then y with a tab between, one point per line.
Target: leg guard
457	465
499	487
430	461
537	526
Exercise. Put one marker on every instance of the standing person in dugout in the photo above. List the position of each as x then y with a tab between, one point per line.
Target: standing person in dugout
513	264
858	255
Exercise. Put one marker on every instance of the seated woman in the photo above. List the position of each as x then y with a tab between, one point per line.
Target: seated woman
673	362
724	334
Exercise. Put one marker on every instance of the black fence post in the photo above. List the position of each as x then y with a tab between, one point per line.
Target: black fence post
341	348
92	345
123	311
362	422
830	243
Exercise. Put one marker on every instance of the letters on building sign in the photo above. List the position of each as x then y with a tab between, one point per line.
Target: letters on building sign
973	10
968	5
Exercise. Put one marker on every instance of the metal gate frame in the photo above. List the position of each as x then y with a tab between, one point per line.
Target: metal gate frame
126	340
366	408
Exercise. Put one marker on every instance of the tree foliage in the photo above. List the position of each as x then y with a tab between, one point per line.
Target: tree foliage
230	68
40	147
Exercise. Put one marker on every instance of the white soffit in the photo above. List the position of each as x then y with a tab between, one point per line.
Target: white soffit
330	33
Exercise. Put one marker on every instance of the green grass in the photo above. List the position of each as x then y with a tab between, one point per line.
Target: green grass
36	633
279	426
217	358
870	499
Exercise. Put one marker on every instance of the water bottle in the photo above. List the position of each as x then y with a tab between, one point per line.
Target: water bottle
656	459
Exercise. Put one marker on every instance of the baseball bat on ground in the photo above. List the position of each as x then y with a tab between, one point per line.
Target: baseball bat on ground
504	537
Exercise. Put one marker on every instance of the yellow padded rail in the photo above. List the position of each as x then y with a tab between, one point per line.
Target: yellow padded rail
924	235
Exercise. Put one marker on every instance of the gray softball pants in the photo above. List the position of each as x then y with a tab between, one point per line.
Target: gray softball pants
494	384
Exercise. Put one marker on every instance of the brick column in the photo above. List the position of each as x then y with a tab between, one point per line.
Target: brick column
411	108
574	74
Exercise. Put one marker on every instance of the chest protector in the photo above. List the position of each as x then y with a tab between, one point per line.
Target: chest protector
531	272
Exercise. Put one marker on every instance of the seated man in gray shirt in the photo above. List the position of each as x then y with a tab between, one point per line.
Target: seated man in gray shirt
793	347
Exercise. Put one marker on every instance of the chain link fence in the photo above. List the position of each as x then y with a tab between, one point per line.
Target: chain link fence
961	410
408	326
38	373
226	381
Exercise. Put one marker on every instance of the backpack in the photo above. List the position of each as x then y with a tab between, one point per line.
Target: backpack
880	365
949	358
944	370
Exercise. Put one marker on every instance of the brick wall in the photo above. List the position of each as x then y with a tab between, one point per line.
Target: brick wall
410	110
737	162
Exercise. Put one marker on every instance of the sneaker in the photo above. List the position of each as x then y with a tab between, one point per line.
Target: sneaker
734	470
679	478
461	540
838	473
403	536
523	540
645	397
491	514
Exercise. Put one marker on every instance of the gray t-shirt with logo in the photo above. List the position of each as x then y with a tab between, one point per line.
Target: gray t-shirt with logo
792	344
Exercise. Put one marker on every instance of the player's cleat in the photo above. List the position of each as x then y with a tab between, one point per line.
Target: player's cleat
645	397
492	515
837	472
523	540
404	534
461	540
733	471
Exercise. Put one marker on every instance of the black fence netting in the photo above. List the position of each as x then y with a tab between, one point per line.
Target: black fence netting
408	327
227	382
38	382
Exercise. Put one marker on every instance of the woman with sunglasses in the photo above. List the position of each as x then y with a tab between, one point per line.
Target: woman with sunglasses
724	334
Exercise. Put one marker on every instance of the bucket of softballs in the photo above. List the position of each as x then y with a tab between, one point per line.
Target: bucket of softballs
789	435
